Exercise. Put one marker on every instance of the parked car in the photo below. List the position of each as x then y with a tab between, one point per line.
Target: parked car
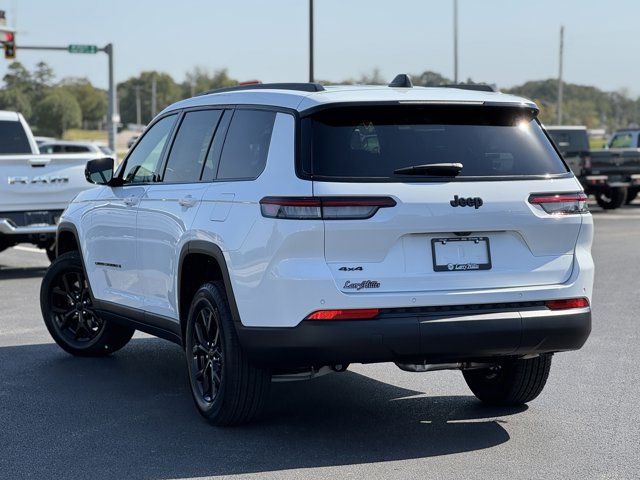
65	146
40	140
35	188
285	231
612	175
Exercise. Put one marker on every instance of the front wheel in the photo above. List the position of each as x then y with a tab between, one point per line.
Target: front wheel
227	389
69	314
510	382
611	197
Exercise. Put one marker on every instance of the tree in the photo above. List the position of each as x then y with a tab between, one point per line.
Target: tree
201	80
18	78
15	100
92	101
167	92
57	112
430	79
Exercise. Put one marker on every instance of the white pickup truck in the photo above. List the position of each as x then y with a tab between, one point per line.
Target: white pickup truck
34	188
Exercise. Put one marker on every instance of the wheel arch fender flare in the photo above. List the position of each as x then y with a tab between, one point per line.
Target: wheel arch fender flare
65	227
212	250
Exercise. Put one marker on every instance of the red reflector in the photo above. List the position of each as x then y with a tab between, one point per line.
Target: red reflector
567	303
351	314
558	198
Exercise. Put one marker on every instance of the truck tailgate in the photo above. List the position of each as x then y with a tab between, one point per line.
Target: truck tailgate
41	182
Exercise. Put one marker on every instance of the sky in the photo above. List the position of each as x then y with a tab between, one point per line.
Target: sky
505	42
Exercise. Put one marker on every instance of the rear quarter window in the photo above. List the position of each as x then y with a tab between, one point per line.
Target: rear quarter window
371	142
246	146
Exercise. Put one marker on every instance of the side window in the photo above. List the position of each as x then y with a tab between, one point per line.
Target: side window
190	147
246	146
142	163
621	140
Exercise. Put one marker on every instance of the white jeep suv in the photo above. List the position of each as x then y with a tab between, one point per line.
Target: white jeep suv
286	230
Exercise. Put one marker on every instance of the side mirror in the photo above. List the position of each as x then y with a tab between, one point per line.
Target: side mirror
99	171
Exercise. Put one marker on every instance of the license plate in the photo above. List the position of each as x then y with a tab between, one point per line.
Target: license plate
38	218
460	254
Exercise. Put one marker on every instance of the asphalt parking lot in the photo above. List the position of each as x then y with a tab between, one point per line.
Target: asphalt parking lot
131	415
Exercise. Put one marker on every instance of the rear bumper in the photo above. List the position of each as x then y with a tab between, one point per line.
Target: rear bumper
7	227
435	338
41	222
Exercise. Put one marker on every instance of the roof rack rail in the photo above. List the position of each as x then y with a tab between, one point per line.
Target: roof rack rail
402	80
479	87
300	87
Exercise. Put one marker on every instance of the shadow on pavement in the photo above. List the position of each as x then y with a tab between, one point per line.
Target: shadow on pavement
131	415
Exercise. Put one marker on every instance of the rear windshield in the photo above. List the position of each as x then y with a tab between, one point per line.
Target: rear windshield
13	139
371	142
570	141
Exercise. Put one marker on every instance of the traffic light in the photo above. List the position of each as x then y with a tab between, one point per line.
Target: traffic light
10	46
8	40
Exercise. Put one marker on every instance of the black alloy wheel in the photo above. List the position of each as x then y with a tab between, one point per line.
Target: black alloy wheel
206	352
70	315
71	309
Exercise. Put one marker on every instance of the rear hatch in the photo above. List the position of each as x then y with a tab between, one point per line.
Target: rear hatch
487	227
41	182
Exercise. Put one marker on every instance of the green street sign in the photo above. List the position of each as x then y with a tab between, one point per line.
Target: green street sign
82	49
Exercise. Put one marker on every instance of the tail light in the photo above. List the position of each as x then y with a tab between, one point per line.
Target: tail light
586	162
349	314
323	208
561	203
567	303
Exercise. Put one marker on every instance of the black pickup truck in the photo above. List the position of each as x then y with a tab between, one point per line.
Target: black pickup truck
611	175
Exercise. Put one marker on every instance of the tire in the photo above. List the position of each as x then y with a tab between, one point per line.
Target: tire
513	382
68	312
632	194
226	388
611	197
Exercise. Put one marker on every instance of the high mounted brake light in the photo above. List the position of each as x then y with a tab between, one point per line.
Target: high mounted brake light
561	203
327	208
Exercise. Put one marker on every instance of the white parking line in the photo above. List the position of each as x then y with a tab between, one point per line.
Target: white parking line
29	249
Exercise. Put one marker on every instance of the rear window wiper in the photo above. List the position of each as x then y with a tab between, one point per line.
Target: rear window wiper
431	170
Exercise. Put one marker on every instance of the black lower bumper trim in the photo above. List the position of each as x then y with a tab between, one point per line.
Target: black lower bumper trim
435	338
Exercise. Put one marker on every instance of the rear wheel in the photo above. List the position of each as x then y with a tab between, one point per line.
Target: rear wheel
611	197
510	382
632	194
69	314
227	389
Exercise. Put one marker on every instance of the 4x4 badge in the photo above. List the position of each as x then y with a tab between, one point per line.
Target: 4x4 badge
466	202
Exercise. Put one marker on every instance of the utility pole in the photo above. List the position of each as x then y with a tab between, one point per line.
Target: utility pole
113	118
559	120
455	41
311	76
154	99
138	106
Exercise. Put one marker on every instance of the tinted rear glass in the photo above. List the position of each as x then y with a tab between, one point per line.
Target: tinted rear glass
13	139
372	142
570	141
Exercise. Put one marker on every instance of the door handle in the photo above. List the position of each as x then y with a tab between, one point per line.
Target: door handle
187	201
131	201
